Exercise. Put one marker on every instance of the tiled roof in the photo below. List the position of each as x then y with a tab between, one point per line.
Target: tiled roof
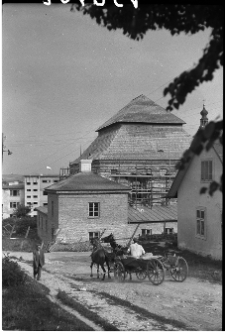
142	110
87	181
41	175
42	209
156	214
138	142
12	187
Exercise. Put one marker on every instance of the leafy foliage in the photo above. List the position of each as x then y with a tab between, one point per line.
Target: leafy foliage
176	18
21	211
12	275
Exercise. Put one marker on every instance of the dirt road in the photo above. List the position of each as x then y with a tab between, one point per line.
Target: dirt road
132	305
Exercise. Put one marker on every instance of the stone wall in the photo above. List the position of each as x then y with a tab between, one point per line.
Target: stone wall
75	224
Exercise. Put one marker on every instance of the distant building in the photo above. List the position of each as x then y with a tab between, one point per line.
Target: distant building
83	205
35	194
139	147
200	215
12	196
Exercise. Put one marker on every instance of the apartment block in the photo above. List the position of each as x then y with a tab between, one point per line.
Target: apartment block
35	194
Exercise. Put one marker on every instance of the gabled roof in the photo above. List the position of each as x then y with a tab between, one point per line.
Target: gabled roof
181	173
42	209
155	214
85	182
219	150
142	110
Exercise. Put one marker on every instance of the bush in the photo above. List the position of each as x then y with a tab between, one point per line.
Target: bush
71	247
12	274
20	227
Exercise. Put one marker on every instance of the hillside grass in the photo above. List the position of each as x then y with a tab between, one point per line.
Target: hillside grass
26	308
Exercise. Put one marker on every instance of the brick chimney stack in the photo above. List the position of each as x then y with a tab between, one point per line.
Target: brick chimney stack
85	165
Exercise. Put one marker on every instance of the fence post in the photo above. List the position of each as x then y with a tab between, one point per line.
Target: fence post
28	229
12	231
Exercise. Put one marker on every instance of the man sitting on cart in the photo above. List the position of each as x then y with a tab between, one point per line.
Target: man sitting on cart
136	249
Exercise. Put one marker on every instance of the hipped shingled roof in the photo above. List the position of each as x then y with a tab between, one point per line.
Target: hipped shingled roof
142	110
142	130
87	182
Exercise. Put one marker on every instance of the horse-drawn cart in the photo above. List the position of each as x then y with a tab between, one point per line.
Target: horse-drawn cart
151	268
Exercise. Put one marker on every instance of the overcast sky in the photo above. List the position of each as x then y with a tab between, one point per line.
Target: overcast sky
64	76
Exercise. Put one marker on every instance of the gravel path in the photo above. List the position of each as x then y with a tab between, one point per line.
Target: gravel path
191	305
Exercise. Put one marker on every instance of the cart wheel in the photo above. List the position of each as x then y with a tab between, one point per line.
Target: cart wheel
155	271
119	271
141	275
180	270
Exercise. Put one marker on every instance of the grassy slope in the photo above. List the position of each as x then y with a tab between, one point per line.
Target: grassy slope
26	308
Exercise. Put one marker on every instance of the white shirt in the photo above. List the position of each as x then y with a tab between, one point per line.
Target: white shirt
136	250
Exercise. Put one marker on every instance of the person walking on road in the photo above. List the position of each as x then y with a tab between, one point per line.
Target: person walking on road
38	261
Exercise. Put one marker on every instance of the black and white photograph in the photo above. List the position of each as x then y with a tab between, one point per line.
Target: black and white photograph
112	166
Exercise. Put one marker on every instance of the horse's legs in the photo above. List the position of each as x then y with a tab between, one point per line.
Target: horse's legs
107	263
97	271
91	268
103	268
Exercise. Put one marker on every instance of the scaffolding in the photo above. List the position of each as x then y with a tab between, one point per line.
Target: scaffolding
146	189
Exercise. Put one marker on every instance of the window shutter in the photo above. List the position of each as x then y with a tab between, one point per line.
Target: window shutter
210	170
202	170
206	170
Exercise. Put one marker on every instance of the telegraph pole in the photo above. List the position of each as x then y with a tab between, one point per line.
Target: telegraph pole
4	149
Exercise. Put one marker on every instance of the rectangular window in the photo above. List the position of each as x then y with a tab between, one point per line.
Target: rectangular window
28	190
206	170
45	193
55	181
94	234
14	193
200	222
168	231
34	183
28	183
94	209
35	203
35	190
44	181
146	232
14	204
45	204
28	196
35	196
28	203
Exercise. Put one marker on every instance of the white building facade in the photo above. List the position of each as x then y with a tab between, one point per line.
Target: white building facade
34	186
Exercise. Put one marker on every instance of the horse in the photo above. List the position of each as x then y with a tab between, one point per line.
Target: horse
118	250
99	257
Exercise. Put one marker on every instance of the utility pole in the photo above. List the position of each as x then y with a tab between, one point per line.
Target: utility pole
4	149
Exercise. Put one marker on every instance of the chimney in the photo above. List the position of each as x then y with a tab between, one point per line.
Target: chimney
85	165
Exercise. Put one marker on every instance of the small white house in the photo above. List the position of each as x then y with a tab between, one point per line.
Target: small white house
200	215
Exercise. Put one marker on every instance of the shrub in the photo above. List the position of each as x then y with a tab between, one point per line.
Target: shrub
12	274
